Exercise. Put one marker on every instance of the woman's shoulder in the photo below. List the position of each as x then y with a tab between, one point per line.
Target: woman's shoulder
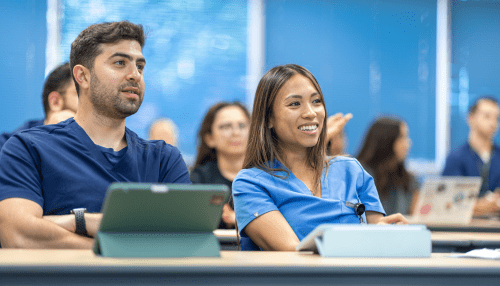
344	160
252	174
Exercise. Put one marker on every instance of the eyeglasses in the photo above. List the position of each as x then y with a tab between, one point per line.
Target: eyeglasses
230	128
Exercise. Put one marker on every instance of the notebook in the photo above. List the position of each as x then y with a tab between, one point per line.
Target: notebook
447	200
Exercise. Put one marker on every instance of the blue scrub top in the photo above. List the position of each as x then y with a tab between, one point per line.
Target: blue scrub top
257	192
60	168
464	161
27	125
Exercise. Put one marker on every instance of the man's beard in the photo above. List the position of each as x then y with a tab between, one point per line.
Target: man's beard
108	101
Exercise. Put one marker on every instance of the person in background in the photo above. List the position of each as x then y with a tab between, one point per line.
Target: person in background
51	171
383	154
164	129
288	185
335	134
222	138
480	156
59	98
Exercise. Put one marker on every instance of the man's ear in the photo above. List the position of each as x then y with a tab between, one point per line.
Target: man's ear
82	76
56	101
209	140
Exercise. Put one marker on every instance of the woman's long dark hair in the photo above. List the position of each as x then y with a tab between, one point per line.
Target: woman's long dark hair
377	153
205	153
263	147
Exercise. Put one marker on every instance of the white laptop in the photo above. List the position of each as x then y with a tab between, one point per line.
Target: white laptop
447	200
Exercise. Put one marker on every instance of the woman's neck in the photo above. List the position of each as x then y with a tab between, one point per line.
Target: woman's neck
298	164
230	165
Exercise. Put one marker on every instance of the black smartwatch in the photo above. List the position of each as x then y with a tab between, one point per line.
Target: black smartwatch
81	228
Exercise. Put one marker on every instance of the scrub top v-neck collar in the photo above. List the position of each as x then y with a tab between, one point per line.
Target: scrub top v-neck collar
96	152
303	187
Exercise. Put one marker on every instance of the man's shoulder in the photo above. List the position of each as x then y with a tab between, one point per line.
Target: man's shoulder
459	152
46	130
156	146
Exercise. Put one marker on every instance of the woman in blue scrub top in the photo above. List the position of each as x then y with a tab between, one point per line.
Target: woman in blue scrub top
288	185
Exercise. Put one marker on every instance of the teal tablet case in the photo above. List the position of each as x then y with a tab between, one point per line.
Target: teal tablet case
160	220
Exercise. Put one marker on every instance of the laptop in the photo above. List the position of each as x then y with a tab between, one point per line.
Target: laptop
447	201
162	220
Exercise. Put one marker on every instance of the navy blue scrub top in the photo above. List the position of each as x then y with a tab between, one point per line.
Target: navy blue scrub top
60	168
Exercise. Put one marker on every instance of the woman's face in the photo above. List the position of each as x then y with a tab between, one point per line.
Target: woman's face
229	131
403	143
298	115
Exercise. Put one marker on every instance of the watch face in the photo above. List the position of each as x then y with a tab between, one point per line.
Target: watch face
78	209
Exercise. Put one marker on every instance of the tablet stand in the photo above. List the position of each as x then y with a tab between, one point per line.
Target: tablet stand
154	244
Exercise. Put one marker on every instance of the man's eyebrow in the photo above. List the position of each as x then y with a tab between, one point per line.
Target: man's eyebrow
129	57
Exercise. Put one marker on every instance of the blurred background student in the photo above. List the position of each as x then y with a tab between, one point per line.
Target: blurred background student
480	156
164	129
59	99
383	154
336	140
222	138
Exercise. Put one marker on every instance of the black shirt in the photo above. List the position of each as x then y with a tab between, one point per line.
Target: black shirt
209	173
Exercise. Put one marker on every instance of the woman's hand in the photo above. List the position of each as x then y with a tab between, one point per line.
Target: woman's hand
378	218
335	124
228	216
393	219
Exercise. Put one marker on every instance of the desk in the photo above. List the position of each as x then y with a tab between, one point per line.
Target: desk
82	267
441	241
463	241
476	225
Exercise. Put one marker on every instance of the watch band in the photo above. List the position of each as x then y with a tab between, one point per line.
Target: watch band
81	228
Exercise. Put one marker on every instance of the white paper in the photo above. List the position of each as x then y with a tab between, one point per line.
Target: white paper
484	253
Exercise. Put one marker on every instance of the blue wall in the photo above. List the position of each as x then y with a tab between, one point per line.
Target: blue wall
23	32
475	60
370	58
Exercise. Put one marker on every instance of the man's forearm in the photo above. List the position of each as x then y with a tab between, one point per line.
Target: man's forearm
92	222
41	233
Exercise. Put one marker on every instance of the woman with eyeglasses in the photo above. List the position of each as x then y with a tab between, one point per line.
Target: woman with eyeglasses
222	140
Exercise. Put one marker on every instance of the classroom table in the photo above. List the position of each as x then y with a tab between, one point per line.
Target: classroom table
82	267
444	242
476	225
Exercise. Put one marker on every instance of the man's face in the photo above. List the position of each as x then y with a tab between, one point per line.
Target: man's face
117	82
484	120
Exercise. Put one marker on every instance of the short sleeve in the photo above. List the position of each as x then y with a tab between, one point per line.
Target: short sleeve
174	170
367	191
251	197
19	171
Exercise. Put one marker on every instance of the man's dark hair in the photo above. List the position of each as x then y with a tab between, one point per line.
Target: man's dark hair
57	80
490	98
86	47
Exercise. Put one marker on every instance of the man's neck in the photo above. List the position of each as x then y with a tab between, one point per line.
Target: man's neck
104	131
480	144
230	165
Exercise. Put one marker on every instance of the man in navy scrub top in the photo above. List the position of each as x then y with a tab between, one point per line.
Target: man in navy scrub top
53	178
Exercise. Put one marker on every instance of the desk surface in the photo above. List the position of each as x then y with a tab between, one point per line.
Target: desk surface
44	267
476	225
